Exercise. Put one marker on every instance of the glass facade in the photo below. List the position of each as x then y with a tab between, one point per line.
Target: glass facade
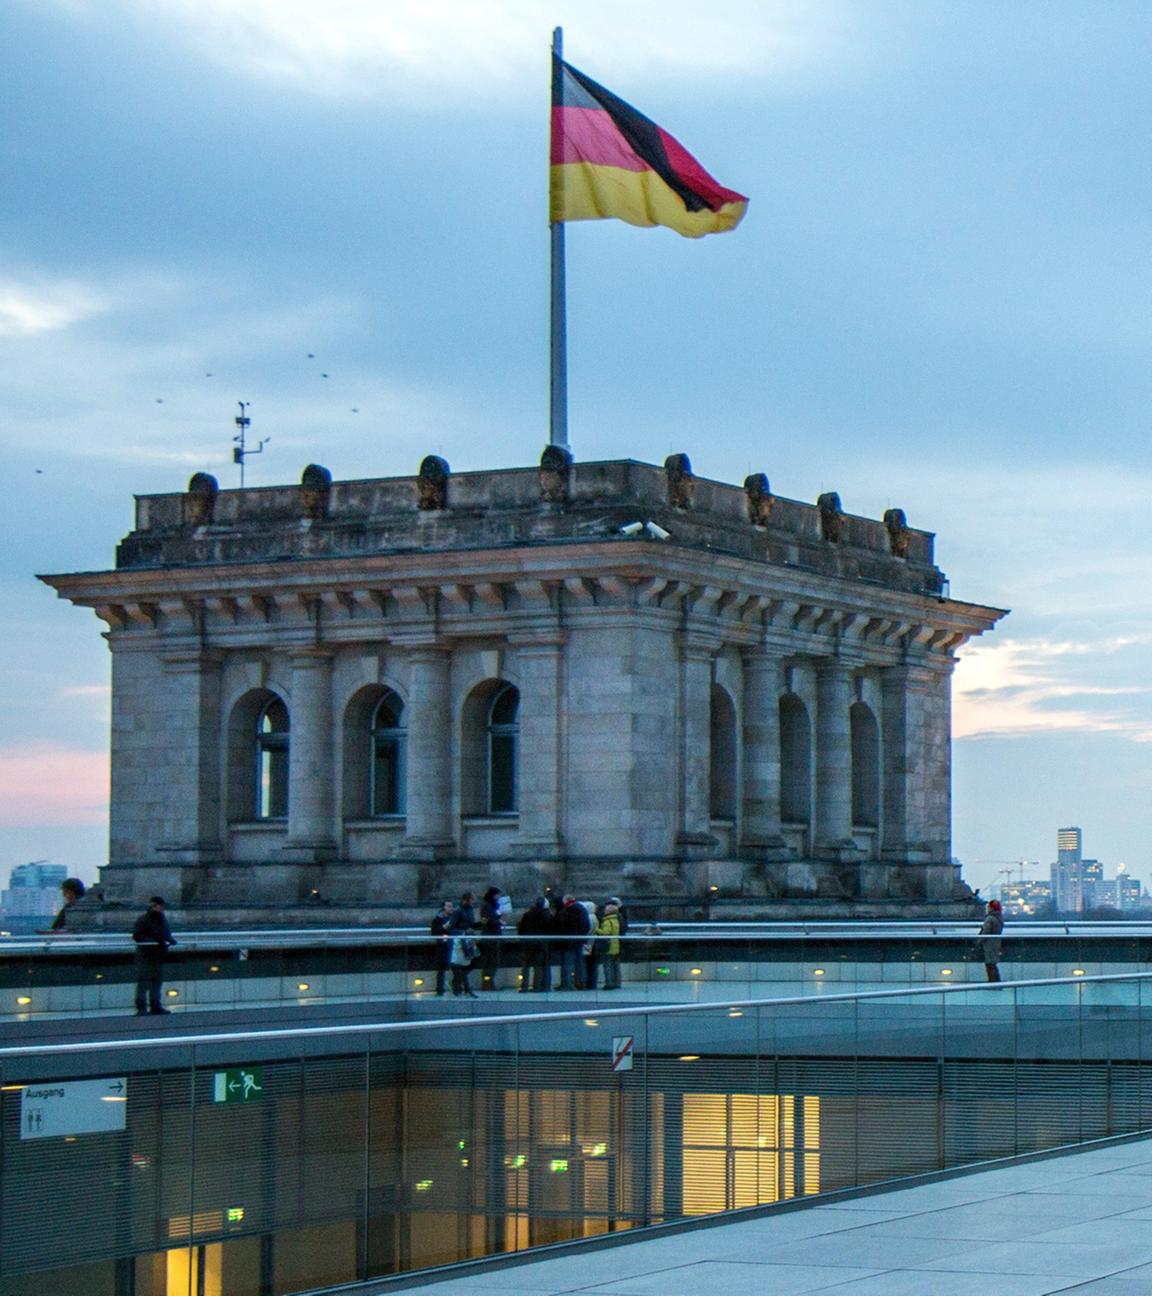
357	1154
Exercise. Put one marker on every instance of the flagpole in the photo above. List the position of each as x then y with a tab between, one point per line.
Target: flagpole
558	408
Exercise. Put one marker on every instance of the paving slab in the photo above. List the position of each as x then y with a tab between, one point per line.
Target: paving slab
1078	1223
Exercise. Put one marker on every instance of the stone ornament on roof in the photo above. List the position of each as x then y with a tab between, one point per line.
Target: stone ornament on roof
200	499
315	489
555	474
758	497
432	484
831	517
681	481
898	533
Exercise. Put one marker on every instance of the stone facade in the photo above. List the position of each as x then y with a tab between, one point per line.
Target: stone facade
607	676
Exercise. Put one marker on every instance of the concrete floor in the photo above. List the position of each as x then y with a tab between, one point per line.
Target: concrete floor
1078	1222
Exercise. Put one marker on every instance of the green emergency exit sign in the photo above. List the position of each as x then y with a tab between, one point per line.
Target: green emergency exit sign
245	1084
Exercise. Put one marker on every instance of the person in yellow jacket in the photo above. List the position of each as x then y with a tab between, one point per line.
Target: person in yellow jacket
608	931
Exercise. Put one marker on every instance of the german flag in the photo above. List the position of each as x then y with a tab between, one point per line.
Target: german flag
608	160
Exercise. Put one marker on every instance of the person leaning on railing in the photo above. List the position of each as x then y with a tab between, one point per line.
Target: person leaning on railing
153	939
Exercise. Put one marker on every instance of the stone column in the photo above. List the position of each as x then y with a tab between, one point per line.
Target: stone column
311	755
539	754
428	815
696	745
833	761
191	701
896	761
760	833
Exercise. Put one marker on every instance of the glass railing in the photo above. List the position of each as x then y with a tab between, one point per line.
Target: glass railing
402	971
290	1160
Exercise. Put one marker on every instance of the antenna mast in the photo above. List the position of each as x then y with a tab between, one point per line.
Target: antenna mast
243	421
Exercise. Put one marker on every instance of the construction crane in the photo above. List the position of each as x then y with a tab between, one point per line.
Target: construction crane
1007	867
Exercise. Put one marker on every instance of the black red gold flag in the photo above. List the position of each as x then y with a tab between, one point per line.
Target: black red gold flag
608	160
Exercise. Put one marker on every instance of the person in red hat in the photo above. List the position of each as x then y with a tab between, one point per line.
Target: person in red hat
989	940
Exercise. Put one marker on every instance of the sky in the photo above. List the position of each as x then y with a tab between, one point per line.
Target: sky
938	300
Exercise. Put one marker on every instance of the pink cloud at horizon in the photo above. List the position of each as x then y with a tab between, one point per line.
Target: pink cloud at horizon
47	784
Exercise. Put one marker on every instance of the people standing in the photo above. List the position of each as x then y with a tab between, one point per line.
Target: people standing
990	941
466	913
461	958
570	926
153	939
72	889
622	913
491	928
608	940
440	928
535	925
589	950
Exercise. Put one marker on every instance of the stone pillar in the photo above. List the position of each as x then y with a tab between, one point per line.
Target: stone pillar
192	783
428	798
539	753
311	756
696	745
833	761
896	759
760	833
934	692
915	737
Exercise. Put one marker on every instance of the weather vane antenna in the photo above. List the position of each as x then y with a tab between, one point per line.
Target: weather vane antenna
244	421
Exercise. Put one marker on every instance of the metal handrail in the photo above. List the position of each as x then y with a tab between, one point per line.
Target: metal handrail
512	1019
65	942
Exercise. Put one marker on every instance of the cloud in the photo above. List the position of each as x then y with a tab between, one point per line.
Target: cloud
43	306
155	384
407	48
1018	688
48	784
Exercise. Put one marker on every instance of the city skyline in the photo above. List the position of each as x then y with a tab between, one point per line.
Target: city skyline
936	302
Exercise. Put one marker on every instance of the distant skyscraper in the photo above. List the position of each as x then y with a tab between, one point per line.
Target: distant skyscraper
1129	892
34	890
1069	845
1067	878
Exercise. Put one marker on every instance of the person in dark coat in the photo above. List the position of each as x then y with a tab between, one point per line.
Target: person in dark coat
440	928
153	939
465	913
491	927
535	972
72	889
571	921
989	940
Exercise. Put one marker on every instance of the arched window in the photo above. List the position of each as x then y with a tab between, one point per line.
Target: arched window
865	766
722	756
389	756
795	761
503	744
272	761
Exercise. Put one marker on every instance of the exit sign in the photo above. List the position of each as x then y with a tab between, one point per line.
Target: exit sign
245	1084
